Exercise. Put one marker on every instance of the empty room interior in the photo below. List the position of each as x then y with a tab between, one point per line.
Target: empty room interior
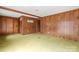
39	28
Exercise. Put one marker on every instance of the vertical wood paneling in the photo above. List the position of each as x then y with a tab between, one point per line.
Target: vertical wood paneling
37	25
64	24
16	26
28	27
0	24
4	26
8	25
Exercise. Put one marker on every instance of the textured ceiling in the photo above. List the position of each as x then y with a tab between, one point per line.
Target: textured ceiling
36	10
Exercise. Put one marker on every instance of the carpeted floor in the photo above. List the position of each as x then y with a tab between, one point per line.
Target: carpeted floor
36	42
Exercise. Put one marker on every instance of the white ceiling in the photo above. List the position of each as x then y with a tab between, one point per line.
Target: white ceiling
36	10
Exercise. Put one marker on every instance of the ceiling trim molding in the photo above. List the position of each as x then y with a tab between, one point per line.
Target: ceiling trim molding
13	10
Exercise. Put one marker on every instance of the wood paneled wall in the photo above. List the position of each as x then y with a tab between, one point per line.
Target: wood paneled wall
64	24
28	25
8	25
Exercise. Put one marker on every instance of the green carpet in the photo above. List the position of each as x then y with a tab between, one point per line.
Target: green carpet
36	42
